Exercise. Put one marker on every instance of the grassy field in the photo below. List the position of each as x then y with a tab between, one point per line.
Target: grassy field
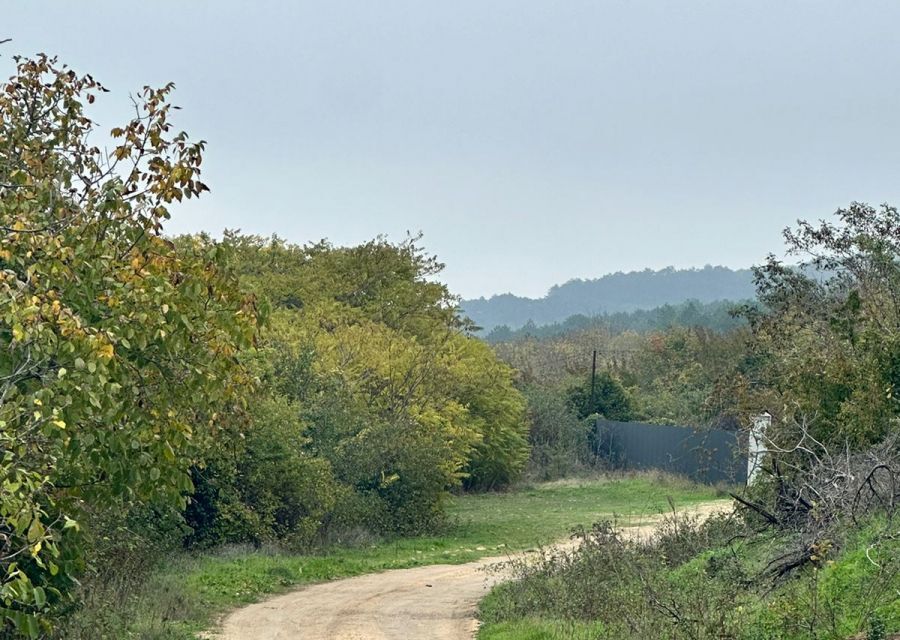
188	592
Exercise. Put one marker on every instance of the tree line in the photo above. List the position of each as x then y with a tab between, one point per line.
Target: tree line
190	391
613	294
719	316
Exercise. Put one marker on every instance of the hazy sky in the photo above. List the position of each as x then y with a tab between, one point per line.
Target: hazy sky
531	142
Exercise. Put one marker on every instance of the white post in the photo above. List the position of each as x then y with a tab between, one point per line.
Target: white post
756	448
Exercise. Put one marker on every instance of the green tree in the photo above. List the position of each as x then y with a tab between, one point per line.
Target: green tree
609	399
484	386
828	334
559	439
118	352
392	389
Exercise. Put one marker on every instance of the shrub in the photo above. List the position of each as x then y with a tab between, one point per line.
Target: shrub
609	399
559	440
265	486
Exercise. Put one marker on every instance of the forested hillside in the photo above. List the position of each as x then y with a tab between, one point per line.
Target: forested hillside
718	316
613	293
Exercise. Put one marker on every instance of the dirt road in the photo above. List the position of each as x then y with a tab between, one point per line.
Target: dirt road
435	602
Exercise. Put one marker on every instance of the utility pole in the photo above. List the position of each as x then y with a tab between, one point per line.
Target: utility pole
593	380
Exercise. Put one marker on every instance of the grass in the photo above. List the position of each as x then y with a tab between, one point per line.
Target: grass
850	593
189	592
545	512
542	629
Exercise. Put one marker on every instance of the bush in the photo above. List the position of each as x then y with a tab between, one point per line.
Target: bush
559	440
609	399
266	487
711	580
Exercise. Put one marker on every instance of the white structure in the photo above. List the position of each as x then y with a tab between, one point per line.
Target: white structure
756	446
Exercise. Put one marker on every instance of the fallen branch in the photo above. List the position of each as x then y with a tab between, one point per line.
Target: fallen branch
758	509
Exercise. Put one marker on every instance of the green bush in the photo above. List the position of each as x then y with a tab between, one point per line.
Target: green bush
559	440
266	486
609	399
706	581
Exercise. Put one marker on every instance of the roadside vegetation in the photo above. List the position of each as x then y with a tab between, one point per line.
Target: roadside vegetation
189	423
723	578
160	393
814	550
184	592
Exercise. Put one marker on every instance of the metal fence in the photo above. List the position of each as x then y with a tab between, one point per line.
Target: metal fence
705	455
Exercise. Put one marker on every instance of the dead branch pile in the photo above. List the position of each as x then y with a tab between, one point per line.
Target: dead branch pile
816	495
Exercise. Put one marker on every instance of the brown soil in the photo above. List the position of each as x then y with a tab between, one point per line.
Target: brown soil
436	602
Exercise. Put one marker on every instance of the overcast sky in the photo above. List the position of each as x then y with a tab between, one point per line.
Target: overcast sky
531	142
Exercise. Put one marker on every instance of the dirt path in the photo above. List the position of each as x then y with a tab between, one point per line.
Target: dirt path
435	602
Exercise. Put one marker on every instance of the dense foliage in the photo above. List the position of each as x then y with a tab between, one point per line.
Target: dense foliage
118	351
149	398
828	338
385	398
560	439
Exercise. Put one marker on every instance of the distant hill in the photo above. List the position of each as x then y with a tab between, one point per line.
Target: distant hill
716	316
613	293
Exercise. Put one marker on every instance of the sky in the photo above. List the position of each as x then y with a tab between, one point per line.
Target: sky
530	142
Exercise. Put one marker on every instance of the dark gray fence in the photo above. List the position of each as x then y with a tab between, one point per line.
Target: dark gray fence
705	455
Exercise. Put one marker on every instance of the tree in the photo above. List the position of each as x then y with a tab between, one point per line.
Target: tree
392	389
609	399
484	386
118	351
828	334
687	375
559	439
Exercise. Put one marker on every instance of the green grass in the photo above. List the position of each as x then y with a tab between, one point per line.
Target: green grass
546	512
189	592
542	629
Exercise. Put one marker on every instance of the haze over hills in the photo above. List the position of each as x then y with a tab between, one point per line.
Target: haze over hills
616	292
